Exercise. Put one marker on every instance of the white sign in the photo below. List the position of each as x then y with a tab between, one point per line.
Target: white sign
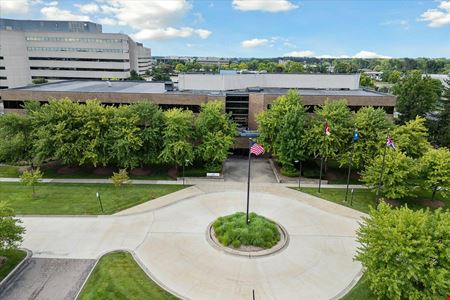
212	174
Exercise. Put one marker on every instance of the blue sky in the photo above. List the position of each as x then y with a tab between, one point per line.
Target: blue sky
262	28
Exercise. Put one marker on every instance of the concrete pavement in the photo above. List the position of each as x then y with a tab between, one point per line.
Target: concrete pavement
168	237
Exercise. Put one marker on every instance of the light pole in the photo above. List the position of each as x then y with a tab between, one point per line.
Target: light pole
299	172
186	161
99	200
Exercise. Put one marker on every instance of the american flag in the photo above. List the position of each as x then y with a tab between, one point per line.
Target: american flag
256	149
389	142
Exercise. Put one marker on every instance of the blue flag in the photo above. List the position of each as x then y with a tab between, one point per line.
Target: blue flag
355	135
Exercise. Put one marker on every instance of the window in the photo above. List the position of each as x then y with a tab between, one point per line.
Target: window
53	49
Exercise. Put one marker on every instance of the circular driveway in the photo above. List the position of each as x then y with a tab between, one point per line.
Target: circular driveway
317	263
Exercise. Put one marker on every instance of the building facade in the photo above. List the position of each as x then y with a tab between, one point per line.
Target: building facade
64	50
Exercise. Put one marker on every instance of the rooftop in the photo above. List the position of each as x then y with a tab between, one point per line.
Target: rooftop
148	87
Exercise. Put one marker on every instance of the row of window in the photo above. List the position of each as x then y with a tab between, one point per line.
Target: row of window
2	67
72	40
3	78
79	59
65	49
2	87
79	69
65	78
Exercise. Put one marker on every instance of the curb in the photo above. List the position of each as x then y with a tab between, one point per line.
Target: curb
274	170
350	286
87	278
6	283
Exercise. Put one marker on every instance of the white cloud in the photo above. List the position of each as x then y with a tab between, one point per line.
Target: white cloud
152	19
54	13
437	17
305	53
52	3
264	5
107	21
170	32
88	8
14	7
369	54
397	23
254	43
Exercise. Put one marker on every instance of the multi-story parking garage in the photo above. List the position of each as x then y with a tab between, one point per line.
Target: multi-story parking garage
62	50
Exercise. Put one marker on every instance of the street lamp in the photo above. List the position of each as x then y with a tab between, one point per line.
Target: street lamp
299	172
186	161
99	200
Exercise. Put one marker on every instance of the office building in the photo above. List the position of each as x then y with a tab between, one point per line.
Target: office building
63	50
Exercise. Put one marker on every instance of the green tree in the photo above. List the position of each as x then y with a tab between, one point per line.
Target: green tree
366	81
39	80
399	170
135	76
442	135
372	124
435	166
10	230
340	121
31	178
150	123
160	73
405	253
416	95
294	67
270	121
394	76
180	68
178	137
345	66
15	138
215	132
412	137
289	144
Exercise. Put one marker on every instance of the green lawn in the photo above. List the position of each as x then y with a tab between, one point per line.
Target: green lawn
79	199
14	257
363	199
360	291
118	276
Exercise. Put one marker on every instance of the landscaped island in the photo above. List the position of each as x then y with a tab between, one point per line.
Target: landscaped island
232	230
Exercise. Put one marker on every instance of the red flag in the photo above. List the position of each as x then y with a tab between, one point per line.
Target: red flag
256	149
327	129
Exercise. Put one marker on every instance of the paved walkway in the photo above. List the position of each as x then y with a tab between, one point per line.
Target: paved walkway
48	278
167	235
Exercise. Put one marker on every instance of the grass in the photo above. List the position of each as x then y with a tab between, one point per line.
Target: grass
233	230
79	199
118	276
363	198
14	257
360	291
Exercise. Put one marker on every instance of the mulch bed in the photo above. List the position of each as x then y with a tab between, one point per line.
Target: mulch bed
67	170
104	170
140	171
431	203
172	172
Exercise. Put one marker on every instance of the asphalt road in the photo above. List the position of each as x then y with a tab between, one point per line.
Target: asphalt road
49	279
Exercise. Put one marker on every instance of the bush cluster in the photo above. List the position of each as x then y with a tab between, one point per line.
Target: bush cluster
233	230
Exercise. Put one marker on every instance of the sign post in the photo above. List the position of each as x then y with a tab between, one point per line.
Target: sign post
99	200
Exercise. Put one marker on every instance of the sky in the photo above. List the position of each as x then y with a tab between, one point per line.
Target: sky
261	28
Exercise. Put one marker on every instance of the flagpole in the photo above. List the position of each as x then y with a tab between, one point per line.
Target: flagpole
382	166
350	165
248	180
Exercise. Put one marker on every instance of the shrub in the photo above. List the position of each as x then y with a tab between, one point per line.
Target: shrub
233	230
39	80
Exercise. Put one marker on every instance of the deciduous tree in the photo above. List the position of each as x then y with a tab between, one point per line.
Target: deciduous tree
31	178
412	137
10	229
405	253
435	166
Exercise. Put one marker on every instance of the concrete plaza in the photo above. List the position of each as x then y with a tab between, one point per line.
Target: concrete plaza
168	238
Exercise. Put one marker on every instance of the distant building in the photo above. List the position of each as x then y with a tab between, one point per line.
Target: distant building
201	60
62	50
374	75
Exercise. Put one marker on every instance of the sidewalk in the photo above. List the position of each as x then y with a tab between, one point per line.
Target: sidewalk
179	181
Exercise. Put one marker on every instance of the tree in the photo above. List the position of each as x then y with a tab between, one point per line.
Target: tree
150	121
31	178
405	253
289	144
15	140
394	76
120	178
10	230
366	81
294	67
416	95
442	135
339	118
159	73
180	68
178	136
372	124
399	170
411	138
135	76
215	132
435	166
